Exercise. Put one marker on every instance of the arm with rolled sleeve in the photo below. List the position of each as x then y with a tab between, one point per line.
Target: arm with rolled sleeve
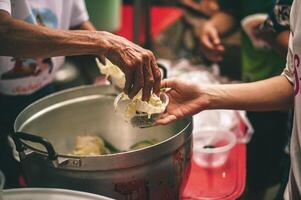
138	64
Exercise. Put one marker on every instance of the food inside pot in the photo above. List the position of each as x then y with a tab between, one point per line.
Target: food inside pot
90	146
95	145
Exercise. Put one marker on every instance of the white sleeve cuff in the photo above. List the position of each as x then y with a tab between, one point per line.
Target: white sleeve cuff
288	74
79	13
5	5
79	19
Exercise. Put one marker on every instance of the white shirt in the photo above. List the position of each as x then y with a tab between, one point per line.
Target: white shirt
20	77
293	74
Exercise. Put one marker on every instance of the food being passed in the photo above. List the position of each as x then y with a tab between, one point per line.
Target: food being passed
136	105
95	146
112	71
89	146
155	105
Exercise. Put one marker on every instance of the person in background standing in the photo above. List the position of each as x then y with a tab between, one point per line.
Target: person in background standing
265	150
275	31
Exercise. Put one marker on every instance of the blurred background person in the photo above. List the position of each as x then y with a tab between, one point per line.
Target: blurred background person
275	31
265	150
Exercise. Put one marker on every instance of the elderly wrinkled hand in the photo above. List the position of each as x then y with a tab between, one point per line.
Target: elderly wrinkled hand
138	64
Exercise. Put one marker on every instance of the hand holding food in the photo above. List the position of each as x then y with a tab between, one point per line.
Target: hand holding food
138	64
136	105
185	99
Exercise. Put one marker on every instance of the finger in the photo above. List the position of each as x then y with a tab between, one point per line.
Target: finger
157	76
169	83
102	59
206	42
220	48
215	56
129	80
214	37
148	80
165	114
138	81
166	120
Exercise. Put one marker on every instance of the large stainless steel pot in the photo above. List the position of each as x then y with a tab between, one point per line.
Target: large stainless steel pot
154	172
45	193
49	194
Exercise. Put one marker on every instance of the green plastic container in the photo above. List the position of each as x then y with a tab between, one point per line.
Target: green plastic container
105	14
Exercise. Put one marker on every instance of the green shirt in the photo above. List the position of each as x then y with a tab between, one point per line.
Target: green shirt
257	64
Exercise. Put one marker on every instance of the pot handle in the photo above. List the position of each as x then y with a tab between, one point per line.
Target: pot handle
18	136
164	70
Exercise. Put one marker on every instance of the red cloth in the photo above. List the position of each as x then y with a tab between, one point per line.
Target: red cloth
161	18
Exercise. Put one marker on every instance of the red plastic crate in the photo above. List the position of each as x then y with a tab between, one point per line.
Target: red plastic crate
224	183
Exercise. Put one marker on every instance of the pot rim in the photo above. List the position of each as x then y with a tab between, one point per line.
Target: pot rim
45	191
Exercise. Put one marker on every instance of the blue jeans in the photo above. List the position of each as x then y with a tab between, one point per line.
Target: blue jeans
10	107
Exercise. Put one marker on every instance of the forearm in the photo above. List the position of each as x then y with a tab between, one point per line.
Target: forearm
224	22
24	40
271	94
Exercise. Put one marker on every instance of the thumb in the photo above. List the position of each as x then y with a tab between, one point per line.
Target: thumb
169	83
166	120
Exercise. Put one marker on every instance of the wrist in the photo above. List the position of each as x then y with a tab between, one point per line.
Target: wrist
80	42
103	42
210	96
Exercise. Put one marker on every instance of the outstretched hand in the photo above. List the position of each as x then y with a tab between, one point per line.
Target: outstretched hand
185	99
